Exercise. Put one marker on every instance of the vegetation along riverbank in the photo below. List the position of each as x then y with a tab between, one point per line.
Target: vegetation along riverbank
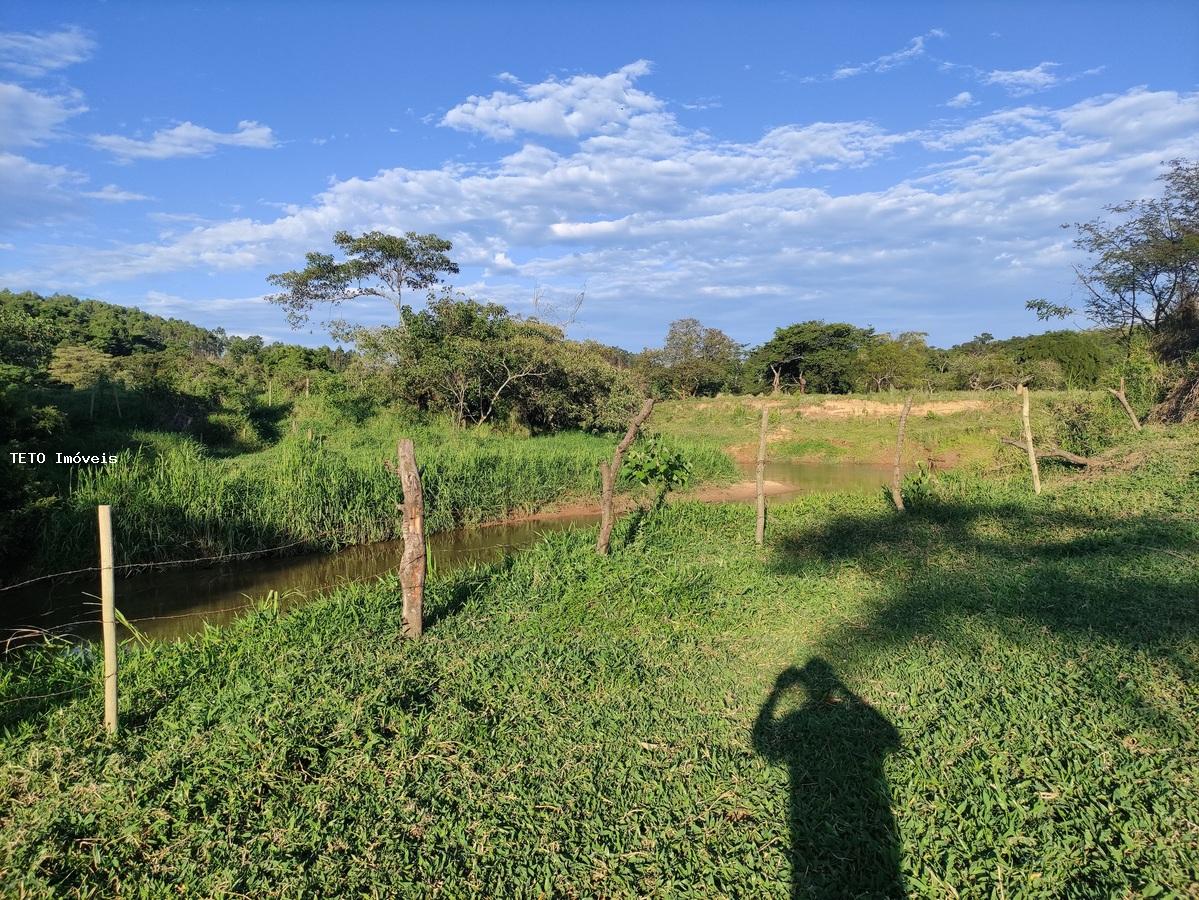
991	691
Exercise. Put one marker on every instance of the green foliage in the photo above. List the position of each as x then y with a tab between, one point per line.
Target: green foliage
115	330
917	487
694	361
824	354
1143	267
377	264
1086	425
1084	357
654	462
481	364
990	695
176	500
887	362
1145	377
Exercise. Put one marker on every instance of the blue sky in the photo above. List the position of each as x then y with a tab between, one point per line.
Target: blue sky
906	166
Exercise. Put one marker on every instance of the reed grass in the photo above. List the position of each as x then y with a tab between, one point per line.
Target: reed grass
172	499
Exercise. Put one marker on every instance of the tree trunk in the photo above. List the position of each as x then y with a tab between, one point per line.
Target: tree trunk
608	474
412	564
897	471
760	533
777	375
1123	398
1032	453
1051	452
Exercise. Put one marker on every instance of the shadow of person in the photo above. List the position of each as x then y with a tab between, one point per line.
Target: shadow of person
843	838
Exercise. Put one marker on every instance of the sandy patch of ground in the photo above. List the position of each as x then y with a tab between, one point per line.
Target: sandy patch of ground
713	493
851	407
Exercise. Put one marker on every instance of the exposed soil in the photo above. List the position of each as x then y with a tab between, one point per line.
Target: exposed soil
851	407
712	493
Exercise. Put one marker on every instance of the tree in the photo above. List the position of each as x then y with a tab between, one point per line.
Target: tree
889	362
377	265
81	368
824	355
694	360
1144	266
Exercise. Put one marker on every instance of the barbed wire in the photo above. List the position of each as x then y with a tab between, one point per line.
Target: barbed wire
28	697
170	562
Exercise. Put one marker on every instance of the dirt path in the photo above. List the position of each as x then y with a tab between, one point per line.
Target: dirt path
738	492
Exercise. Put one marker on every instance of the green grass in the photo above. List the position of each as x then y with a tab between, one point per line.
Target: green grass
1082	421
173	499
991	695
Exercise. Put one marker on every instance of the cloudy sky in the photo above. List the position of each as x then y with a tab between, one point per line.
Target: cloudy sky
905	166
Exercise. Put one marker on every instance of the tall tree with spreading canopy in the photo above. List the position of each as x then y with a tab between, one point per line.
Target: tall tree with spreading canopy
377	264
1143	268
823	354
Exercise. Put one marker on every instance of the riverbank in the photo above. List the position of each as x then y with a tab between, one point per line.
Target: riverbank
985	694
173	499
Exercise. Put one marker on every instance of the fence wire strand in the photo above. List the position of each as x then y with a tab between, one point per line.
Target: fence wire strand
170	562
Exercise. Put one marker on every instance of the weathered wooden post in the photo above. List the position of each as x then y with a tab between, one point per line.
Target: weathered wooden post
760	533
1032	453
608	474
897	471
1123	398
108	618
412	564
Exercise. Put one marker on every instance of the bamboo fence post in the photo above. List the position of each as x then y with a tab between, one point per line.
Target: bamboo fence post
760	533
1032	453
412	564
608	474
1123	398
108	619
897	471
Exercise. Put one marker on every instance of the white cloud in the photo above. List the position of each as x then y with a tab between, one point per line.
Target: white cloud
914	49
1019	82
35	54
185	139
113	194
961	101
32	193
656	217
584	104
28	118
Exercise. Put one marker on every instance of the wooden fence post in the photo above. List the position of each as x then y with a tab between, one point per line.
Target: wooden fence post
412	564
108	618
1032	453
897	472
608	474
1123	398
760	533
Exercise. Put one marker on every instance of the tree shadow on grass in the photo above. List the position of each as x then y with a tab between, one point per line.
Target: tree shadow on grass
1127	579
844	841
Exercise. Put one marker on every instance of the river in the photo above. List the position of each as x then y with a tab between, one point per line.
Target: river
172	603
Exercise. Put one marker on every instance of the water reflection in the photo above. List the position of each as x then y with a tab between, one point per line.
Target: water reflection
171	603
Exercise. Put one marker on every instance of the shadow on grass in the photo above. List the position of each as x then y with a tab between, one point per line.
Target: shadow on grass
1127	579
844	841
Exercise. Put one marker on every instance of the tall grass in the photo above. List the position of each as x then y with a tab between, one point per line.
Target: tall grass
991	695
175	501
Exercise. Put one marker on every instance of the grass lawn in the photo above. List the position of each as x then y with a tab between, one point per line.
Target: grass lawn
991	695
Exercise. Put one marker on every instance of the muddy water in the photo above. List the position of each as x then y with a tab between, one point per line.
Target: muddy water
172	603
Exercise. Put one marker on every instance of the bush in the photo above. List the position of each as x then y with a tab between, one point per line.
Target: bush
1086	425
